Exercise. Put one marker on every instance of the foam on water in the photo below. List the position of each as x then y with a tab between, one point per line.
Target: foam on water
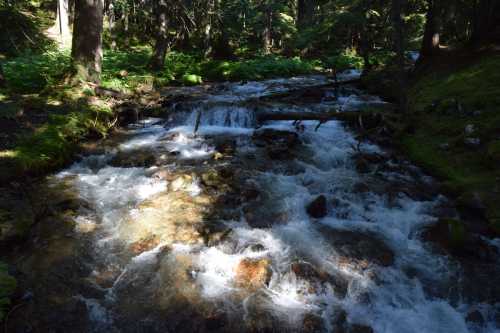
389	299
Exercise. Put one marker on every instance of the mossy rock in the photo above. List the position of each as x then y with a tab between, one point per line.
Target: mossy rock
191	79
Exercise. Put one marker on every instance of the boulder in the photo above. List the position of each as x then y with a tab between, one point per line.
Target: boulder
253	274
317	208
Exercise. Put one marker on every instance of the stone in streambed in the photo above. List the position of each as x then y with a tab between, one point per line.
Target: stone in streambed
317	278
135	158
358	249
253	274
317	208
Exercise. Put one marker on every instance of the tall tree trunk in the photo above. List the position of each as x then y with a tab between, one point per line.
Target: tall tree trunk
62	22
268	28
486	21
430	43
399	49
87	40
112	24
305	13
161	44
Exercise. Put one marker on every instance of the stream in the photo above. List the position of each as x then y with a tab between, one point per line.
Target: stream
246	227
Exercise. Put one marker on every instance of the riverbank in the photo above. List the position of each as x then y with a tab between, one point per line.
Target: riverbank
452	130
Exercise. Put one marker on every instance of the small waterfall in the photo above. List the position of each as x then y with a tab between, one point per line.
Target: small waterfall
223	116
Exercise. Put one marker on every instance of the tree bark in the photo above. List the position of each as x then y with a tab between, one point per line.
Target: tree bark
485	22
268	28
305	13
87	40
161	44
430	43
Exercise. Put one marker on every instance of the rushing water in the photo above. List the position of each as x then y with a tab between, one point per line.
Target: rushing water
151	269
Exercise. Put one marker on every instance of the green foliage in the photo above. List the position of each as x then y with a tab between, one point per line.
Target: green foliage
257	69
31	72
7	287
345	60
191	79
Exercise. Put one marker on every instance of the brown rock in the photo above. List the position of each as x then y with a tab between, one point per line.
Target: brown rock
253	274
145	244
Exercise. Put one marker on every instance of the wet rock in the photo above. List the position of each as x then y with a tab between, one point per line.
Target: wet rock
135	158
358	249
475	317
316	277
145	244
258	219
361	188
472	142
312	323
469	129
471	201
278	143
214	233
181	183
444	146
269	136
257	248
211	178
216	322
362	165
357	328
253	274
317	208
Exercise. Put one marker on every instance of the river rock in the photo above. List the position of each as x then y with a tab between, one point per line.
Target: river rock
312	324
134	158
358	249
253	274
145	244
472	142
475	317
318	278
317	208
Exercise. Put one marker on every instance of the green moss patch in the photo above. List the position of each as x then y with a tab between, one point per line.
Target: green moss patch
456	120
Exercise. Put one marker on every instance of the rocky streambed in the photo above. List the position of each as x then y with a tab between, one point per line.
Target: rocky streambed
248	225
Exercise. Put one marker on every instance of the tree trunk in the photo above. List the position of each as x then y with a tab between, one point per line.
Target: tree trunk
305	13
268	28
430	43
485	22
86	51
62	22
161	45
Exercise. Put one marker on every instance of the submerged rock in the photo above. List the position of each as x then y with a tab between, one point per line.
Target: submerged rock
317	208
253	274
358	249
318	278
134	158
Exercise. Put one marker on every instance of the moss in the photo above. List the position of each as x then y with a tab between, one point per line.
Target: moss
442	104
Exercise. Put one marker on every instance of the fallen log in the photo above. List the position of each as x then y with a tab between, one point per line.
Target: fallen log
323	116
